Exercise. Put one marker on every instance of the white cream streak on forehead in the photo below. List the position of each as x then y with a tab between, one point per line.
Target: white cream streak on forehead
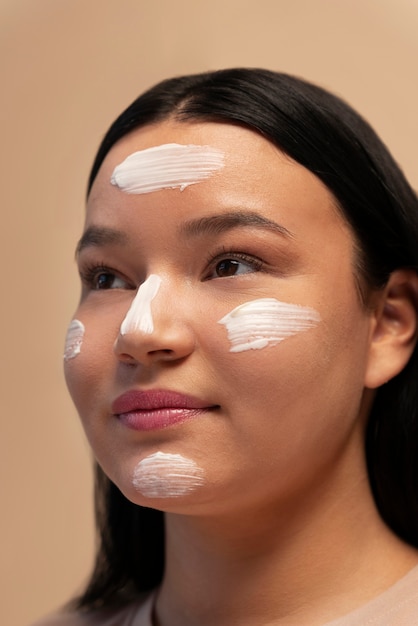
168	166
139	316
162	475
73	339
266	322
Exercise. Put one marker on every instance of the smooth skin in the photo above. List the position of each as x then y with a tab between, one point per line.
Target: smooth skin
284	529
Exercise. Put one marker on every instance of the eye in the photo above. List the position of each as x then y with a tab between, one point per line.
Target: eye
107	280
233	264
99	277
231	267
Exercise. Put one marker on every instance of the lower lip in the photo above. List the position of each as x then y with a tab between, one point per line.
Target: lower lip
158	418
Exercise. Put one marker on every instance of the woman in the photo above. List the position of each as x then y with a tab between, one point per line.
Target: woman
244	361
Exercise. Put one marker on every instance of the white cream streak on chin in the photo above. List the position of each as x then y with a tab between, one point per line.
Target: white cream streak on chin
164	475
73	339
139	316
168	166
266	322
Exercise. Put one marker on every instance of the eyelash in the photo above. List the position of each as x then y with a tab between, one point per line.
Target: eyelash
225	254
89	275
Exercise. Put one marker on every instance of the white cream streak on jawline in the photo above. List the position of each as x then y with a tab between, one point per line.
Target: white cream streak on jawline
265	322
73	339
168	166
139	316
163	475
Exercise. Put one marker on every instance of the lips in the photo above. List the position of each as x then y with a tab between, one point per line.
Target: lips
154	409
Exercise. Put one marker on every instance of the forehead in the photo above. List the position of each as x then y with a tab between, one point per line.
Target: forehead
234	141
254	175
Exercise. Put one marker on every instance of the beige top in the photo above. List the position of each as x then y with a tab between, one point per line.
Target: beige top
398	606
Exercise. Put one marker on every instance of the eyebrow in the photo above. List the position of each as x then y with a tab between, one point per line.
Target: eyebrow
100	236
217	224
212	225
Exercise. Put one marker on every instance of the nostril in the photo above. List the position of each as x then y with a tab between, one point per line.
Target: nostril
162	352
127	359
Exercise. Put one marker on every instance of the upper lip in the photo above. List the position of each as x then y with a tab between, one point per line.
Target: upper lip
149	400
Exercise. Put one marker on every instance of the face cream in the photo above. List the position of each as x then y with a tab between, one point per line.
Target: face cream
162	475
139	316
168	166
73	339
266	322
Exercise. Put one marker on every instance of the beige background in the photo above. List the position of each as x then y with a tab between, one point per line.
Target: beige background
67	68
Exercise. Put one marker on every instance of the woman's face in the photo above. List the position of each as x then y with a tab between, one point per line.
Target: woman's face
181	413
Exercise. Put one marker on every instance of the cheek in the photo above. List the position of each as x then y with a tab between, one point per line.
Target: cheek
266	322
274	373
72	350
294	355
73	340
265	340
90	365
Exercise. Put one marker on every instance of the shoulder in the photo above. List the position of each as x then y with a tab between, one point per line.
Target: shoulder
63	619
135	614
397	606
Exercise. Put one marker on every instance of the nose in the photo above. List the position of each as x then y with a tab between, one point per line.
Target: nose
149	331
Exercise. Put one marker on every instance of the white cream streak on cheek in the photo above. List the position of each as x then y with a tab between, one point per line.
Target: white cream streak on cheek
266	322
168	166
139	316
162	475
73	339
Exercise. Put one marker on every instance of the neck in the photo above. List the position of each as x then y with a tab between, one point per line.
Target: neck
291	564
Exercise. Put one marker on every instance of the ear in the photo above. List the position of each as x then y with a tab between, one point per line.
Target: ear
394	328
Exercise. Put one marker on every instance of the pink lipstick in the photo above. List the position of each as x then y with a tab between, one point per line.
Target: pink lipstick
155	409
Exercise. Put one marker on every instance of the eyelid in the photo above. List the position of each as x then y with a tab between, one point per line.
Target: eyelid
233	253
251	260
90	272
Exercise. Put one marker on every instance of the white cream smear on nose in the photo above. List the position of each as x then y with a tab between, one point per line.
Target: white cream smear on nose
163	475
169	166
266	322
73	339
139	316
